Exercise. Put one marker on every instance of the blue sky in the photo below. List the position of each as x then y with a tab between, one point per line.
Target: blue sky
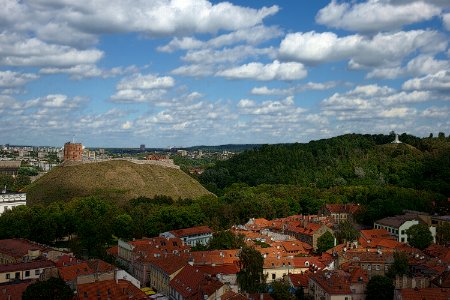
119	73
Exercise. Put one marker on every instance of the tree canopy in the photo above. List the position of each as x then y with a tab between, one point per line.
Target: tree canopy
419	236
379	287
52	289
325	242
250	277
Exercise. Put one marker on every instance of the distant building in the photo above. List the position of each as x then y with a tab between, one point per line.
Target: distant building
9	167
73	151
398	225
340	212
396	140
191	236
142	148
10	200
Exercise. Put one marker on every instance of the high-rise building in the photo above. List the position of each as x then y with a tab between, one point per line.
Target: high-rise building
142	148
73	151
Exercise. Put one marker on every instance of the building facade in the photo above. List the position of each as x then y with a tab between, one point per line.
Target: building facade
10	200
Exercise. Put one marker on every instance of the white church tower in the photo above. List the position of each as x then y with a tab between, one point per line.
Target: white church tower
396	141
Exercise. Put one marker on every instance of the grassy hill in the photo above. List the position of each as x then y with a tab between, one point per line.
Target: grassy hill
118	181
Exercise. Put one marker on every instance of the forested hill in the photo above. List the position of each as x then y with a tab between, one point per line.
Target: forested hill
348	160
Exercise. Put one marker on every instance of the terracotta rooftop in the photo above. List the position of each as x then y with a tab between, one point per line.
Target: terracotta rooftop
308	229
218	257
359	275
440	251
13	290
425	294
18	248
170	263
370	234
67	260
342	208
333	282
230	295
36	264
69	273
190	280
298	280
192	231
221	269
109	289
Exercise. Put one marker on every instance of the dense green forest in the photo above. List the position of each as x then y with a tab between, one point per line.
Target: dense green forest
348	160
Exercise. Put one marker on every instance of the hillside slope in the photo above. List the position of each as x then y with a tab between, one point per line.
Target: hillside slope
347	160
118	181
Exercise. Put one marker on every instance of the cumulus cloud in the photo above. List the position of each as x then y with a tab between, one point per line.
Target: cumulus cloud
10	79
371	102
318	86
150	81
152	18
15	50
226	55
253	36
272	71
446	20
195	70
419	65
383	49
374	15
439	81
88	71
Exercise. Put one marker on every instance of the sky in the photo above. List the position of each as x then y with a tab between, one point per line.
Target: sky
178	73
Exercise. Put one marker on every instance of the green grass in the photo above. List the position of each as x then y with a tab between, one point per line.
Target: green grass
118	181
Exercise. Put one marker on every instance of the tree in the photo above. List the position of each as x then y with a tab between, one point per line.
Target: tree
251	278
346	232
379	287
400	265
225	240
325	242
52	289
280	290
419	236
443	231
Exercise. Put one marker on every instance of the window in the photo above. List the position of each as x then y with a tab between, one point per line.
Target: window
17	275
403	232
27	273
273	276
37	272
8	276
369	267
377	267
402	239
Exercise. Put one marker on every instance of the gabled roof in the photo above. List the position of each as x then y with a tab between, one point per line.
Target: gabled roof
169	264
191	231
190	280
18	248
218	257
230	295
69	273
109	289
228	269
359	275
397	221
370	234
32	265
425	294
439	251
13	290
298	280
333	282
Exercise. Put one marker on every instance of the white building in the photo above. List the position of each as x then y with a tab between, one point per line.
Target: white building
191	236
10	200
398	225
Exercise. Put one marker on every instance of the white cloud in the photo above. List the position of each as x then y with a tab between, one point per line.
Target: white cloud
253	36
10	79
383	49
226	55
371	102
127	125
374	15
446	20
152	18
318	86
272	71
55	101
436	112
439	81
150	81
88	71
16	50
138	96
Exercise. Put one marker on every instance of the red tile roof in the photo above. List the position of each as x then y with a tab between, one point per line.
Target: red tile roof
440	251
69	273
18	248
230	295
359	275
36	264
169	264
333	282
191	279
298	280
425	294
67	260
217	257
221	269
13	290
191	231
110	289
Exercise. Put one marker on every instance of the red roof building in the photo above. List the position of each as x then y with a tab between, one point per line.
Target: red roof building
192	283
422	294
19	250
109	289
191	236
13	290
24	271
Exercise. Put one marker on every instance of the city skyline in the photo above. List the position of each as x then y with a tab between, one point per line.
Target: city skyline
195	72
